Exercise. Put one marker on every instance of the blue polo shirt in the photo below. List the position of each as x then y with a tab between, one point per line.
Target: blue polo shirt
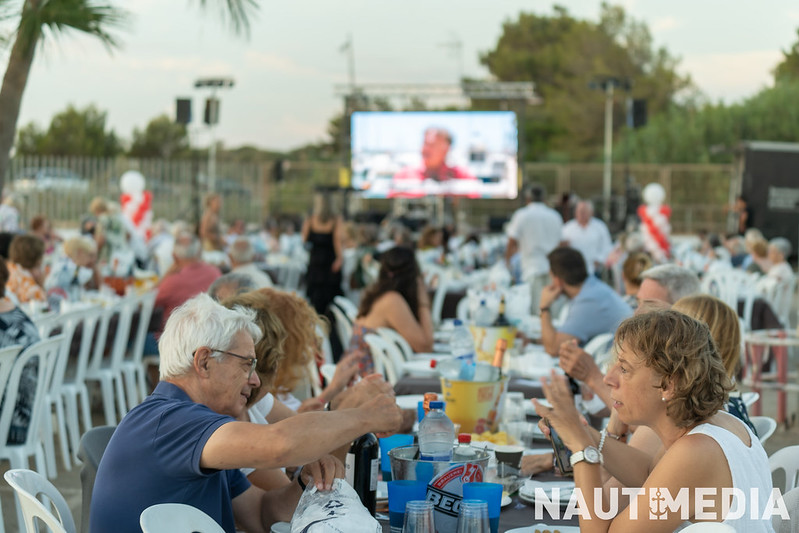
595	310
154	457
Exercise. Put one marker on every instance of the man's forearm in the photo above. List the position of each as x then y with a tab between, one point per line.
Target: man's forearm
549	334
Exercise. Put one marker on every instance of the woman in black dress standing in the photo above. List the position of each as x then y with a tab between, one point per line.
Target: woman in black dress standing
322	231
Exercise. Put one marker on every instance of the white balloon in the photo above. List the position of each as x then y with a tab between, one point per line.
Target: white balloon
654	194
132	182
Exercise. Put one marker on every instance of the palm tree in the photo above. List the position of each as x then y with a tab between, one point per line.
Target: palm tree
38	19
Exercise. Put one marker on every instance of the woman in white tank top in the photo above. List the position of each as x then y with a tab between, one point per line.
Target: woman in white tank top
669	377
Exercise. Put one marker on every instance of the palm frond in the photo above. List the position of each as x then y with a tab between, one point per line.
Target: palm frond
87	16
237	12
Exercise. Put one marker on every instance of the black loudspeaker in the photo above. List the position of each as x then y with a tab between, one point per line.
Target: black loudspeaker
183	111
211	111
277	171
639	113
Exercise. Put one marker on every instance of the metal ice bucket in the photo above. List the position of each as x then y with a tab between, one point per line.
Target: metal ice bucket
404	466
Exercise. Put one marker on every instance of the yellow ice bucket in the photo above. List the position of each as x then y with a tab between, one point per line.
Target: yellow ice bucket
473	404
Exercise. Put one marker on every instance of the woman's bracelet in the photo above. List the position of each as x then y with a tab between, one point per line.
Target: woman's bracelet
614	436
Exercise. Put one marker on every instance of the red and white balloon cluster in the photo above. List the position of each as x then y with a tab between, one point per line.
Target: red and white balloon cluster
655	225
136	202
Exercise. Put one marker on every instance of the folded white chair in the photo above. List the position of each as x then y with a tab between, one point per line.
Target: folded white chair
53	510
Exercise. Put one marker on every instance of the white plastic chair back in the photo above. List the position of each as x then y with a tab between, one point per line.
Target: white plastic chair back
463	310
328	370
597	348
381	356
348	306
52	509
133	366
177	518
327	350
791	500
749	398
343	325
765	427
728	285
786	459
393	336
709	527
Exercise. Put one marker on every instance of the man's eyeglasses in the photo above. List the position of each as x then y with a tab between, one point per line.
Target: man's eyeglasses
251	360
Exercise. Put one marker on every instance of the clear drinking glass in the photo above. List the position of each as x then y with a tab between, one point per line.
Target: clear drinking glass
419	517
473	517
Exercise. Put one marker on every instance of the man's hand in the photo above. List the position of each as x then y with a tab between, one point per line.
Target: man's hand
576	362
549	294
540	462
362	392
310	404
382	415
322	472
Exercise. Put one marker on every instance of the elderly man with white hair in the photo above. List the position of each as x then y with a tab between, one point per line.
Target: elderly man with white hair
779	248
183	443
242	254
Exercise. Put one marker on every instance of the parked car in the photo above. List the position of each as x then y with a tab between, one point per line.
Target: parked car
35	179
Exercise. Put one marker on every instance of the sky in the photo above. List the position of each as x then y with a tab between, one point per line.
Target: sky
285	73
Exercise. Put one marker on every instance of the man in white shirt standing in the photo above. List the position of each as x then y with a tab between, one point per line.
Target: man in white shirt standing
533	232
588	235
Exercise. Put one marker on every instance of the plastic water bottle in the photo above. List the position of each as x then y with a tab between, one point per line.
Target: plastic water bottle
436	435
464	451
483	317
461	346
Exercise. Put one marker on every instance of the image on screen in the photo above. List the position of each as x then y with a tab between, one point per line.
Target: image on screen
417	154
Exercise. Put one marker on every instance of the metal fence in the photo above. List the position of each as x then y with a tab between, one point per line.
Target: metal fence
697	194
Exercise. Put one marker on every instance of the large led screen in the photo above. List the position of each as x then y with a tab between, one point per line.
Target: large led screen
416	154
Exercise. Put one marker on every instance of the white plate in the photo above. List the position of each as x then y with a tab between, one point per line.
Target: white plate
409	401
527	491
545	528
506	500
419	368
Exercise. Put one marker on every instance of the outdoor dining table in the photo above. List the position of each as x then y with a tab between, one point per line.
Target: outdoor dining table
760	346
419	385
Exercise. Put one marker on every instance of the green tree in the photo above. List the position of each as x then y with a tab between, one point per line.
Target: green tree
37	19
562	55
72	132
788	68
161	138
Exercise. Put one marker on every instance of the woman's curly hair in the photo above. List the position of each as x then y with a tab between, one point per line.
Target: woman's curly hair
682	352
297	346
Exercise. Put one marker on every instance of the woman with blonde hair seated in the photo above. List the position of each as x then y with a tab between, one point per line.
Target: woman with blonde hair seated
669	377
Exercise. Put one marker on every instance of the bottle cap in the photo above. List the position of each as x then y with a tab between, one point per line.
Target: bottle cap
436	405
457	322
464	438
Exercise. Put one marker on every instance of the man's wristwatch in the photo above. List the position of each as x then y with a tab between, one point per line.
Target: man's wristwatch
590	455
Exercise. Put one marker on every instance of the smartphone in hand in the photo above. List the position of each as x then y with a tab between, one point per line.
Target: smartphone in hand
562	453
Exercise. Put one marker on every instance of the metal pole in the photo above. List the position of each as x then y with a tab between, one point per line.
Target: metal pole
212	148
351	63
608	150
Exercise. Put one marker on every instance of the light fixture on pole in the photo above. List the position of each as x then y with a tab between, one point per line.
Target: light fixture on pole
211	118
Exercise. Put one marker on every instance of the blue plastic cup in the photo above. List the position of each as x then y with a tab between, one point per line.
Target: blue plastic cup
491	493
400	492
387	444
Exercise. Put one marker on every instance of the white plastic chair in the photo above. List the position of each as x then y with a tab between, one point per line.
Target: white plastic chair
764	425
380	349
348	306
177	518
52	509
728	285
786	459
108	371
709	527
791	500
74	387
393	336
328	370
343	325
749	398
44	352
66	322
133	370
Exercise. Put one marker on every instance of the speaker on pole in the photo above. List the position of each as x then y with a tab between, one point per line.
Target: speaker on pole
639	113
211	111
183	115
